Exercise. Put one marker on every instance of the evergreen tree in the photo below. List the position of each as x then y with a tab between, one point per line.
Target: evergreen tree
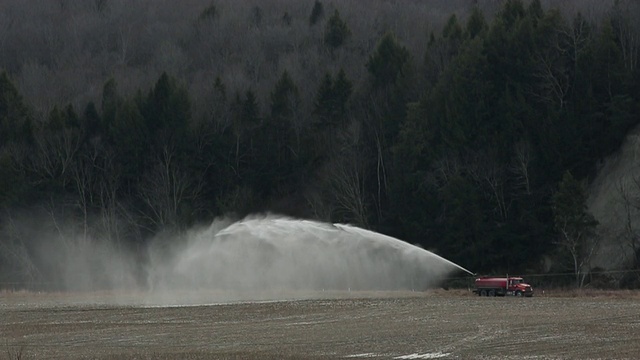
476	23
342	89
389	62
131	141
316	13
220	115
56	120
336	31
111	103
167	106
286	19
285	98
209	13
91	120
332	100
15	123
250	112
576	227
276	154
452	29
15	129
323	104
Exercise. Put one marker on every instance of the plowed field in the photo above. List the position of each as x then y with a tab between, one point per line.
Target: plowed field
429	325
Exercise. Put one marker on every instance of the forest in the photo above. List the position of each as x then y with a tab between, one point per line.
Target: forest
468	128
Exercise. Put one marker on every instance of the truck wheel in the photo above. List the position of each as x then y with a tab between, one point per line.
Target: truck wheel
519	293
492	293
483	293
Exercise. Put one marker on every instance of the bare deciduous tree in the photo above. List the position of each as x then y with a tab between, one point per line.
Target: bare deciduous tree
16	263
575	225
348	175
631	204
627	31
490	175
520	166
165	189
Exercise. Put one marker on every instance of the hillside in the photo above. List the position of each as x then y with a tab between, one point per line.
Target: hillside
469	128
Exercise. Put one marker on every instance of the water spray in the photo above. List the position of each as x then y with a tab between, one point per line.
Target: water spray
273	257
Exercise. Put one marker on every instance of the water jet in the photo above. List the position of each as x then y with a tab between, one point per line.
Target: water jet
273	257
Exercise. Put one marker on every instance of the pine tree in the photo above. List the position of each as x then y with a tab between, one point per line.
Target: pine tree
250	112
336	31
342	89
111	103
389	61
332	99
284	98
316	13
167	112
209	13
323	105
452	29
15	120
91	120
476	23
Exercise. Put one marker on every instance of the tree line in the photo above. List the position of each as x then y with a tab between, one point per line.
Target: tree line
474	150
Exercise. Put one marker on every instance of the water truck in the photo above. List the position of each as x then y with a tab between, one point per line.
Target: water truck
502	286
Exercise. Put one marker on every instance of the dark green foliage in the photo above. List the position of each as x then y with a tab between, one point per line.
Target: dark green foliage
535	10
220	89
285	98
570	206
323	104
209	13
389	62
342	89
15	133
336	31
167	112
131	141
111	102
250	112
452	29
286	19
332	100
512	11
256	16
14	115
575	225
91	120
476	23
277	148
316	13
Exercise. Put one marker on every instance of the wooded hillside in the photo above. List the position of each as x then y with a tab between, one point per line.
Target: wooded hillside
469	128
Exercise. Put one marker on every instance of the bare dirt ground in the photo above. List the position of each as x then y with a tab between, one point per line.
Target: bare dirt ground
425	325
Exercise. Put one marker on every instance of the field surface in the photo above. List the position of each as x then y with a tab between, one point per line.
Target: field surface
428	325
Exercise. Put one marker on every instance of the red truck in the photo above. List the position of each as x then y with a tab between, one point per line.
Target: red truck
502	286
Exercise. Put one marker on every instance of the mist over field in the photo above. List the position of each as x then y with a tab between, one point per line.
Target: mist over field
259	257
276	257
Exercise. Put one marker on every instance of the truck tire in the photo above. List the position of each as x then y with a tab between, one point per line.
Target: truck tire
492	293
483	292
519	293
